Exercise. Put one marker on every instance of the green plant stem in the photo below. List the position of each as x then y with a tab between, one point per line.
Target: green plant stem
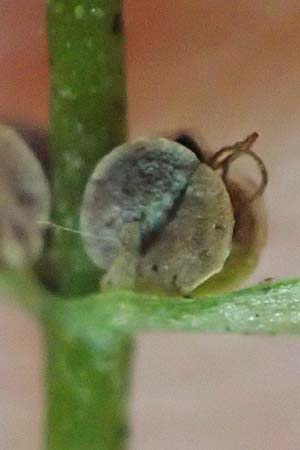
87	116
268	309
88	389
87	381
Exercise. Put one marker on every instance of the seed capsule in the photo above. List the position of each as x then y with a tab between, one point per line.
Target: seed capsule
180	210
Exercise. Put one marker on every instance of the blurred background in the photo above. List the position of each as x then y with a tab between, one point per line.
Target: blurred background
222	70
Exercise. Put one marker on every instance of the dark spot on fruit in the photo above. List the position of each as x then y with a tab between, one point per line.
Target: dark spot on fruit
26	198
155	268
19	231
110	221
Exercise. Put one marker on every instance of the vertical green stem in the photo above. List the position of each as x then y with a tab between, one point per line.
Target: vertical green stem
87	115
87	378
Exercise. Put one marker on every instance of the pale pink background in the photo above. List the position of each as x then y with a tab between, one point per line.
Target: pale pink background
222	69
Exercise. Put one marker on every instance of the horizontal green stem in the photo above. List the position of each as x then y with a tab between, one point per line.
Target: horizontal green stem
263	309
